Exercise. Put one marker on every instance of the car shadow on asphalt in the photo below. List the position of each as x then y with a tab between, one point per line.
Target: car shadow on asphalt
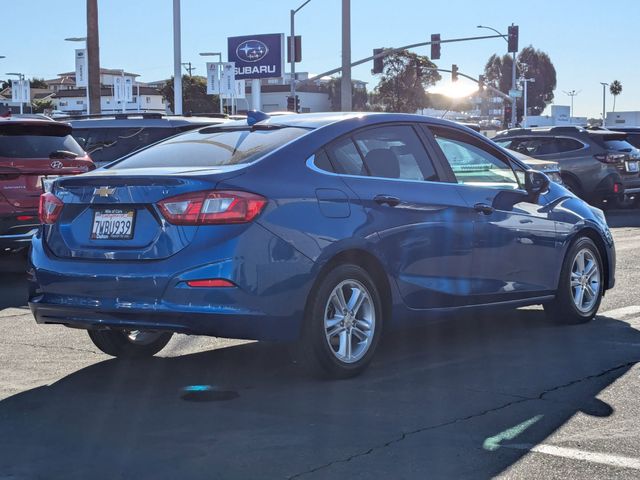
13	280
441	401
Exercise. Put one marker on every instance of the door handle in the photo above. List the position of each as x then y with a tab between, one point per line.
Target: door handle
484	208
386	200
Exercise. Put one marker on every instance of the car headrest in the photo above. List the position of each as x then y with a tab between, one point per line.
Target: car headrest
382	162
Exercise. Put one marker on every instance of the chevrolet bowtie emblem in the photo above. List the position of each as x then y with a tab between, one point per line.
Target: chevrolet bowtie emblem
103	191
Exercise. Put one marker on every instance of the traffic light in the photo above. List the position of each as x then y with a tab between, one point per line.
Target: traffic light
507	114
513	38
481	82
454	73
378	63
297	110
298	46
291	103
435	46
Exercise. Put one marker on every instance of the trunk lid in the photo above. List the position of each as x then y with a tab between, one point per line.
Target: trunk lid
126	195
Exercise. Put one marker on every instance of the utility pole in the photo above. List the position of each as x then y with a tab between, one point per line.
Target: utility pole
345	85
93	59
187	66
177	60
604	102
572	94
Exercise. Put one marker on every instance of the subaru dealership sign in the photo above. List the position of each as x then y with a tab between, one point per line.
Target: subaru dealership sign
257	56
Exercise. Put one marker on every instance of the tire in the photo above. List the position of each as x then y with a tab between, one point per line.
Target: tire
572	185
335	345
577	276
129	344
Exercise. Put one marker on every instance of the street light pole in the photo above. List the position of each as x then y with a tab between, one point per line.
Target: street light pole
219	55
604	102
525	81
292	47
514	113
177	60
345	83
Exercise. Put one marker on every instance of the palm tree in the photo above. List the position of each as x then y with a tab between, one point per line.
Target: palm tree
615	89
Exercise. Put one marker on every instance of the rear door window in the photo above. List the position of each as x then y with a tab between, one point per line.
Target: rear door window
395	152
212	147
390	151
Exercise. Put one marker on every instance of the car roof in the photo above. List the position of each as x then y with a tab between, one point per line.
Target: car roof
316	120
142	121
14	122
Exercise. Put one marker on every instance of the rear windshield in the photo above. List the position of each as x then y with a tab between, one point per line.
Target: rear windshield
109	144
36	143
618	145
211	148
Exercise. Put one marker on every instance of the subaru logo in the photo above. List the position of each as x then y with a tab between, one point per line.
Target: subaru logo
57	164
251	51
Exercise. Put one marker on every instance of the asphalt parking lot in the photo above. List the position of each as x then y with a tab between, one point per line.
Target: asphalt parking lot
494	394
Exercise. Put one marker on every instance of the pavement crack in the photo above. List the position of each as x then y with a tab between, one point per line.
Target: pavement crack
521	399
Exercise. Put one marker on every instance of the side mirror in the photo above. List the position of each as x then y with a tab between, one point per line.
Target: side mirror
535	182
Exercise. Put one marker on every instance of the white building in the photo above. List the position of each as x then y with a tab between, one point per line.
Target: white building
73	100
622	119
560	116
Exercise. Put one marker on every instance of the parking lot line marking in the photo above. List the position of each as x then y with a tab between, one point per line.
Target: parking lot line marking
493	443
582	455
621	312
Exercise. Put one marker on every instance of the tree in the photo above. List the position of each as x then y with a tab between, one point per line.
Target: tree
532	63
405	78
359	97
615	89
38	83
42	105
194	95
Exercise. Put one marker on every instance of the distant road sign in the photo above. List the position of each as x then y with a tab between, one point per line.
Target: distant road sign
515	93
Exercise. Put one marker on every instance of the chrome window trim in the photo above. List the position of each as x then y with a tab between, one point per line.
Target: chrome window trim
312	166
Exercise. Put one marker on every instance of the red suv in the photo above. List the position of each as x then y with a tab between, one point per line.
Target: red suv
32	150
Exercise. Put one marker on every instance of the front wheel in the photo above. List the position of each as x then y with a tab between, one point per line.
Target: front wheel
343	324
581	285
129	343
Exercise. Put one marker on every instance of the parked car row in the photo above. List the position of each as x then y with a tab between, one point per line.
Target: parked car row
600	166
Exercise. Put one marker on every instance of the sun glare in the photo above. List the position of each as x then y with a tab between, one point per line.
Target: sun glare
459	89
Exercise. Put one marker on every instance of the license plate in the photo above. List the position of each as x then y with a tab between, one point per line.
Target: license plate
113	224
632	167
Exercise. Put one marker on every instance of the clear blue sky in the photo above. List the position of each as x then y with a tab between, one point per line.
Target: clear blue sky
589	41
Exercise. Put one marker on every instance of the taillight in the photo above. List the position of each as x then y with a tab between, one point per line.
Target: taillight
611	157
49	208
212	207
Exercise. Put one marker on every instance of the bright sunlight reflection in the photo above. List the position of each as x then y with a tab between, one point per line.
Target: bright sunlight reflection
460	89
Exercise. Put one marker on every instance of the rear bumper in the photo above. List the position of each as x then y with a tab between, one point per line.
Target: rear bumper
218	322
16	234
266	304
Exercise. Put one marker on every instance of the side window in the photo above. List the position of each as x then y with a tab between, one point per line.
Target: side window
395	152
472	164
568	145
321	161
345	157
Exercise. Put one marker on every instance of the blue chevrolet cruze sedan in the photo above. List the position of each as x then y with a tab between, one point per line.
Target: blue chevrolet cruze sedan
324	229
